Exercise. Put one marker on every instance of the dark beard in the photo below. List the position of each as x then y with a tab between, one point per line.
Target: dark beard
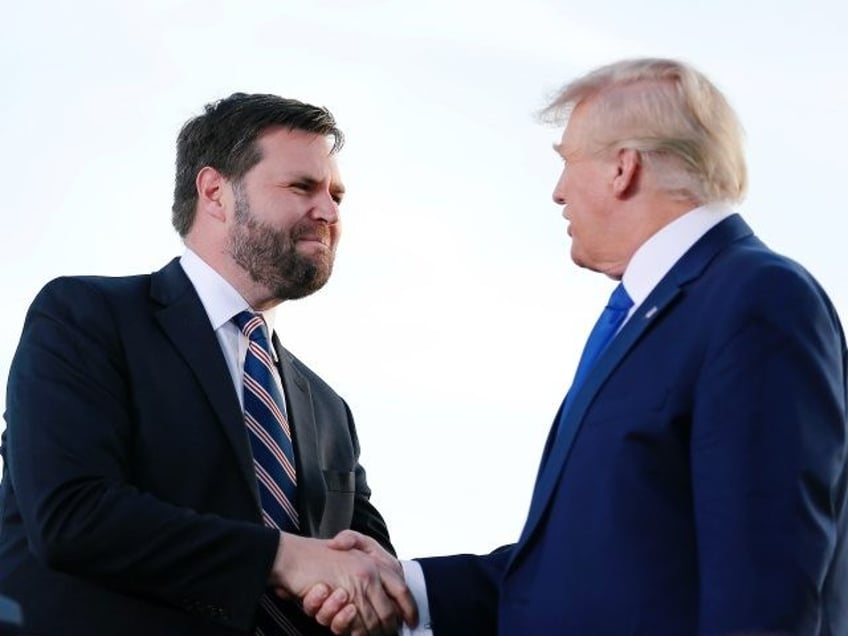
270	256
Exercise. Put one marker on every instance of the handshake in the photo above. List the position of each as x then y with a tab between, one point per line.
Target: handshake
349	583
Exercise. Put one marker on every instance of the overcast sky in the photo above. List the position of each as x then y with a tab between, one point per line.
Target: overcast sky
454	318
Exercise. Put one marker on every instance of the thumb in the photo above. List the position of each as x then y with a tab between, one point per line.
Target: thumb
347	540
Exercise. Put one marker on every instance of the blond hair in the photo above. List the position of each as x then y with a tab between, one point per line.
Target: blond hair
684	128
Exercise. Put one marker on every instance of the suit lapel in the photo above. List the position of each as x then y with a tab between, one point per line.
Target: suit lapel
660	300
561	444
185	322
310	493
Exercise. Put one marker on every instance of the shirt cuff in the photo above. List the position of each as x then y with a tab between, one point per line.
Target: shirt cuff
414	576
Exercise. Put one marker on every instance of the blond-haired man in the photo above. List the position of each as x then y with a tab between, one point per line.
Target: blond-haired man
694	480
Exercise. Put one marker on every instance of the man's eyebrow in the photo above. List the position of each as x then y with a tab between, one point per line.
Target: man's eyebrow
558	149
302	177
311	182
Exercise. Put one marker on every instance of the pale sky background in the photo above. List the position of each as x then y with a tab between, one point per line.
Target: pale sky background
454	319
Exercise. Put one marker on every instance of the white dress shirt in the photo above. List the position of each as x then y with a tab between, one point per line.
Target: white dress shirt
647	267
656	256
222	302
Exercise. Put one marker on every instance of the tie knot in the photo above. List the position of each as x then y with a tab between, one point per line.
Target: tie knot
251	325
620	300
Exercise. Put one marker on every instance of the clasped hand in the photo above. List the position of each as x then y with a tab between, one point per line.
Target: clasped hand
349	583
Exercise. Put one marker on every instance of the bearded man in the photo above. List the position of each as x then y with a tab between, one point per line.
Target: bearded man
169	467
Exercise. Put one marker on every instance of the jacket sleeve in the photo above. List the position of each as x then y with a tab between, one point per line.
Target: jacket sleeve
768	453
463	592
70	436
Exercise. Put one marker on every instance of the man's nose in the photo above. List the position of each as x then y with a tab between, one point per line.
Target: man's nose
559	190
326	209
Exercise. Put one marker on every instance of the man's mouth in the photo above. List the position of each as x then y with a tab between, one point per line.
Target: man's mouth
315	239
320	235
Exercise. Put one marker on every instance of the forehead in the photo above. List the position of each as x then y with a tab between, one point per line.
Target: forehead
287	151
573	134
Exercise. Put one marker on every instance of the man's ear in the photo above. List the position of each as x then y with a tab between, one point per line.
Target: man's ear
211	193
628	172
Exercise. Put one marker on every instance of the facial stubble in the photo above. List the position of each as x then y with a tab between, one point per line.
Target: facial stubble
270	256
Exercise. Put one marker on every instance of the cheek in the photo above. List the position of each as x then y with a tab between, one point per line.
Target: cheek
577	189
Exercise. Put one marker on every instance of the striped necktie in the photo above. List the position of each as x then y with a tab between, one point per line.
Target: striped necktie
270	436
273	460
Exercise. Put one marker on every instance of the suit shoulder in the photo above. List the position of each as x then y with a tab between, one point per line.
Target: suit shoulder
768	284
88	296
752	266
90	284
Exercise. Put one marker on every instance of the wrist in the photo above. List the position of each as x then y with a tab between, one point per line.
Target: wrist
282	562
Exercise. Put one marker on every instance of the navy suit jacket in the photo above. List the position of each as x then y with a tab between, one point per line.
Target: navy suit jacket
129	503
698	482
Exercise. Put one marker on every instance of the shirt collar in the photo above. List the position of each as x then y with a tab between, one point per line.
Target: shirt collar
656	256
220	299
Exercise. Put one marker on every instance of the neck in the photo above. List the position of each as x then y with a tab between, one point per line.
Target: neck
256	295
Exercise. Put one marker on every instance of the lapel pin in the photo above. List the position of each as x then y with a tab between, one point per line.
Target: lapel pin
650	312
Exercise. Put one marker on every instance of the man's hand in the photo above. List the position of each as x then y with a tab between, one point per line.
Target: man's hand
333	609
369	594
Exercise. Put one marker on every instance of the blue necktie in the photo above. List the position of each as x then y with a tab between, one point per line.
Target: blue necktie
273	459
609	322
269	433
607	326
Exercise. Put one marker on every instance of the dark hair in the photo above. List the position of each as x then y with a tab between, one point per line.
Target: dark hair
224	138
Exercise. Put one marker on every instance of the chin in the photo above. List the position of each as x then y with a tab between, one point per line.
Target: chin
577	258
585	264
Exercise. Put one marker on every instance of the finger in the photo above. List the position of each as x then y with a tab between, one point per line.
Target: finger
345	621
315	599
385	561
397	590
334	603
385	611
367	617
367	545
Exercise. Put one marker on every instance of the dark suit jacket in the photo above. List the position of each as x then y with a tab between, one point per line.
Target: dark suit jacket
698	483
129	503
10	617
